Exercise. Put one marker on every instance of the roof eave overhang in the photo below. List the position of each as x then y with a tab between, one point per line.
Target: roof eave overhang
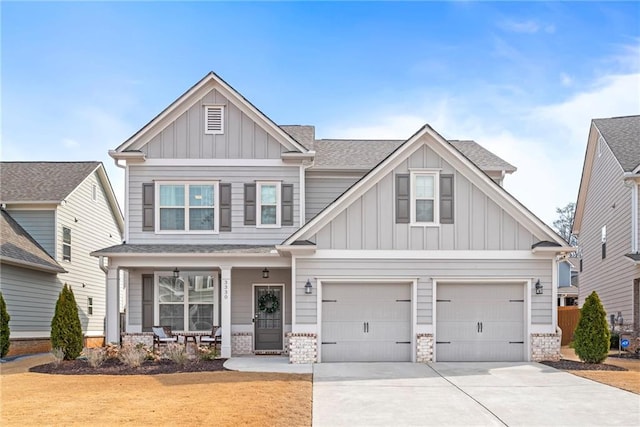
296	249
31	265
631	176
271	254
295	156
553	249
631	260
129	156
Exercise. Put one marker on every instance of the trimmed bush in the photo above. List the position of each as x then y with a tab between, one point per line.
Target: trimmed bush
4	328
592	336
66	330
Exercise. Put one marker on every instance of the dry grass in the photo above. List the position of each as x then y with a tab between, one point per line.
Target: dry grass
208	398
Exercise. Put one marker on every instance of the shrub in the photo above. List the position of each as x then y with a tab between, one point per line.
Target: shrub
592	336
615	340
4	328
207	353
176	352
95	356
66	331
132	356
112	351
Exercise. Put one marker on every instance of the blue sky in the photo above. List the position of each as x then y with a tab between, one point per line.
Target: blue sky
522	79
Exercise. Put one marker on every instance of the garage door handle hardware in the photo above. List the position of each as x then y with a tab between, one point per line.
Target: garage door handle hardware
329	342
480	327
403	300
516	300
443	300
366	327
516	342
329	300
443	342
403	342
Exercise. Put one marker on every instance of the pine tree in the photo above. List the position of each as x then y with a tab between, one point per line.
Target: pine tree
66	330
4	328
592	336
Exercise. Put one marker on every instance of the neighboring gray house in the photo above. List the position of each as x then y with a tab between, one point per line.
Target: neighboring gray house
53	215
328	250
607	220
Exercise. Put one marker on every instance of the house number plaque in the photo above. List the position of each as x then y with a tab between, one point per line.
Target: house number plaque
225	288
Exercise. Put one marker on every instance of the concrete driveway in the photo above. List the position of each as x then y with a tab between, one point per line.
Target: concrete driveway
465	394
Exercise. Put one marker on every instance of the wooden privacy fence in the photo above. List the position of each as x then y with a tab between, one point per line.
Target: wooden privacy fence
567	321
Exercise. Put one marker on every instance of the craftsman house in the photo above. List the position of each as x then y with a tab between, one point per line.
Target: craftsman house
328	250
53	215
606	220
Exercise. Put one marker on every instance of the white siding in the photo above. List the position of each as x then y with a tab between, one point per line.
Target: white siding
237	176
40	224
424	271
185	137
607	204
93	227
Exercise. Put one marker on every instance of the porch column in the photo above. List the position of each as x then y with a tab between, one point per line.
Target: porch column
225	310
112	332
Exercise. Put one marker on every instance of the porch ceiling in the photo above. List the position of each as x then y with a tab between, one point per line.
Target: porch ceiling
155	249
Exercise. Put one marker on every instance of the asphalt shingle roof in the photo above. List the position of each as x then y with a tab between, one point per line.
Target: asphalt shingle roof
304	134
183	249
19	247
622	134
483	158
41	181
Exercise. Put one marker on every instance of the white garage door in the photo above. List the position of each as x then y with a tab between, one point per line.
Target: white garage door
366	322
480	322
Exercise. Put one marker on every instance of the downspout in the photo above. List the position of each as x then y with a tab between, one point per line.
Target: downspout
634	218
101	264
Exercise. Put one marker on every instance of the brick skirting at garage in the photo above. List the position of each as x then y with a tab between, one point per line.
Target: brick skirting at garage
545	346
19	346
424	348
303	348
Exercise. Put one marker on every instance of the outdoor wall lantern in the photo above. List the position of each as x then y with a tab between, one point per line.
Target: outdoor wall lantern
265	273
307	287
539	287
619	319
176	273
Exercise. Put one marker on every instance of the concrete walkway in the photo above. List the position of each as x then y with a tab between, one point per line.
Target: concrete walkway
278	364
464	394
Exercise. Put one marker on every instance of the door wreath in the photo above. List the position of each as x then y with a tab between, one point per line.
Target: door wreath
269	303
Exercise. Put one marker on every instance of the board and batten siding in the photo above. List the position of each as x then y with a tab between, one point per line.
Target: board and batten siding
479	223
424	270
237	177
40	224
322	189
31	299
185	137
608	203
93	226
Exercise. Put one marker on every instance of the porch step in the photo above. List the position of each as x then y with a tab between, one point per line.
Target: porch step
268	352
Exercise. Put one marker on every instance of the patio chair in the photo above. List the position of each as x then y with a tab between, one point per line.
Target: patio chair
163	335
214	338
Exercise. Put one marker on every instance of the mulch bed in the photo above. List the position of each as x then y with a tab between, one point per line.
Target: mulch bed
572	365
115	367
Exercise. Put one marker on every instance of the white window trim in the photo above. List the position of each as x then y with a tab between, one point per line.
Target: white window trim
216	207
206	118
259	185
94	192
67	244
185	303
436	197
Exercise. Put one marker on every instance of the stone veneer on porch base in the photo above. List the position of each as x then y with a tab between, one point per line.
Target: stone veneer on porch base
424	348
241	343
303	348
546	347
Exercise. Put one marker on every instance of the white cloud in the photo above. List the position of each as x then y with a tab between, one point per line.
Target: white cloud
526	27
566	79
70	143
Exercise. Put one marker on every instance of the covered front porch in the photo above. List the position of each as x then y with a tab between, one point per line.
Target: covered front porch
245	290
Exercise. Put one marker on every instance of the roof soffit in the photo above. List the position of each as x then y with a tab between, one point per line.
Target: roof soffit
427	135
192	96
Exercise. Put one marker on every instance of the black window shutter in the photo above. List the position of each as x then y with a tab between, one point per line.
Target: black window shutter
225	207
446	199
287	204
403	205
147	206
250	204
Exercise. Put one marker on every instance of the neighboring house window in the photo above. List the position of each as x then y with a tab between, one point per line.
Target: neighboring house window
89	305
600	146
424	196
214	119
188	207
188	303
604	242
66	244
94	192
268	204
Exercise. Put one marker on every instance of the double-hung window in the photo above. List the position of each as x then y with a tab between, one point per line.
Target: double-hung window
268	203
187	207
66	244
424	195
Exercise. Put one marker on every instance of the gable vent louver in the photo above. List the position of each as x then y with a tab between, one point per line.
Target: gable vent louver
214	119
